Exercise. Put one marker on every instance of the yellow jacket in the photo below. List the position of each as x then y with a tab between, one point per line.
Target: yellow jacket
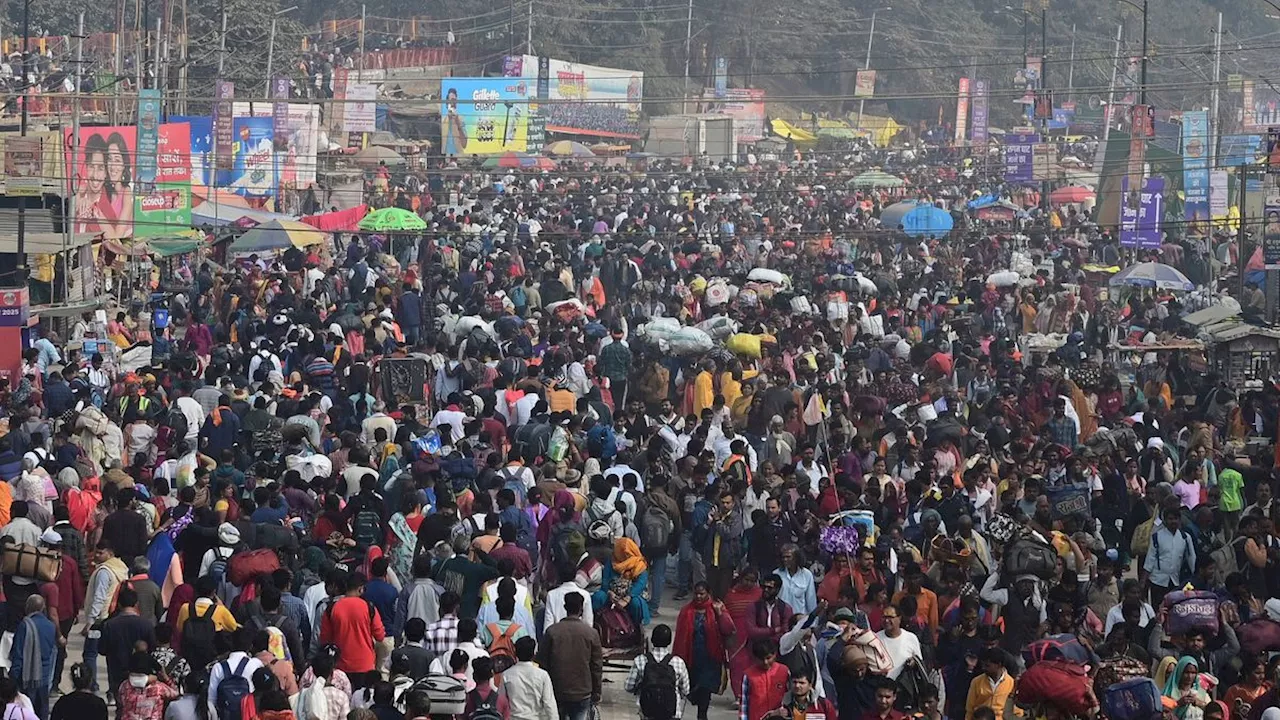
983	693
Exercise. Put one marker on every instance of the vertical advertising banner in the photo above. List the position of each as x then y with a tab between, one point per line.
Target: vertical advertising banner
722	77
1219	207
1273	150
484	116
1248	118
1019	150
1141	211
23	163
337	117
148	138
1271	233
280	111
981	113
962	112
201	130
223	135
1195	171
544	79
167	207
362	108
253	171
864	84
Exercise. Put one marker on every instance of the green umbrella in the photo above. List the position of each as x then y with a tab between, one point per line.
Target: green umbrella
392	219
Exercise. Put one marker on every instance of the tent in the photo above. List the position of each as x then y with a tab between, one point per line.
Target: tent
801	137
219	214
877	179
917	219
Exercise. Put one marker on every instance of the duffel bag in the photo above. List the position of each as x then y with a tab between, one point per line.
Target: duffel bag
448	694
1061	684
1056	647
1135	699
29	561
1027	556
1113	671
1191	610
1259	636
244	567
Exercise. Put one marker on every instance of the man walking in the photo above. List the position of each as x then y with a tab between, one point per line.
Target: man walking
35	649
571	650
529	689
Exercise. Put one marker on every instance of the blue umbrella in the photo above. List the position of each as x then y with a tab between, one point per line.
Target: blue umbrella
917	219
1152	275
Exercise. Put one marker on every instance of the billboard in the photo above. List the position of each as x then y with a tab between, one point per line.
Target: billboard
584	99
1141	212
23	163
864	84
484	116
1218	200
1019	150
362	108
1195	171
745	106
253	167
102	179
300	141
148	139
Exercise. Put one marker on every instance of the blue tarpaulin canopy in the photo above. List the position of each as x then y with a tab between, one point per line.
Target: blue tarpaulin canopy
917	219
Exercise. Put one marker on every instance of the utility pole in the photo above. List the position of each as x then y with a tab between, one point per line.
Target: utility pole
213	150
20	279
1143	101
75	151
118	62
222	45
1217	78
1071	67
866	64
688	51
1241	257
360	69
1111	94
182	59
271	53
528	32
1044	88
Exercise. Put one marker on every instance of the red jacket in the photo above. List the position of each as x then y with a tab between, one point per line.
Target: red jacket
353	624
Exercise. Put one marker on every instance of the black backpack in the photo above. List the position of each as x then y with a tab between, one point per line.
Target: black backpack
658	694
176	421
484	708
197	637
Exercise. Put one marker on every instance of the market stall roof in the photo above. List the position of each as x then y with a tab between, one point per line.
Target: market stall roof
878	179
917	219
218	214
45	242
276	235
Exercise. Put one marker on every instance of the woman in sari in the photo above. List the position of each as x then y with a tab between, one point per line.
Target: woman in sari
402	534
740	601
625	583
118	331
701	632
1184	685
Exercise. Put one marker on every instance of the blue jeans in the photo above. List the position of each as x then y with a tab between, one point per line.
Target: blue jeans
684	565
91	658
575	709
657	582
39	699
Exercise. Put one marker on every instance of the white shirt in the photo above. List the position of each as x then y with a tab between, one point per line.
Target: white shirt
523	410
454	419
1115	615
901	649
555	605
440	666
529	692
194	414
216	675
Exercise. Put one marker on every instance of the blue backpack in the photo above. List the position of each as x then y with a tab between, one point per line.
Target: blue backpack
1135	699
232	691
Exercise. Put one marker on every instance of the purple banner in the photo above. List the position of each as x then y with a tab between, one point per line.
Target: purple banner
981	113
224	92
1141	212
1018	152
280	112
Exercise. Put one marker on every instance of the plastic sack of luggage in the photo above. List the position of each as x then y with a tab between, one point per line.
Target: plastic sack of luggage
719	292
765	275
689	341
659	329
748	345
719	327
309	466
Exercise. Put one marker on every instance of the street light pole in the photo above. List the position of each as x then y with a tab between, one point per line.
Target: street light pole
1144	52
20	280
866	65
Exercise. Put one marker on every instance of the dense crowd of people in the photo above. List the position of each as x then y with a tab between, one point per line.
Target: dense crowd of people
718	426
